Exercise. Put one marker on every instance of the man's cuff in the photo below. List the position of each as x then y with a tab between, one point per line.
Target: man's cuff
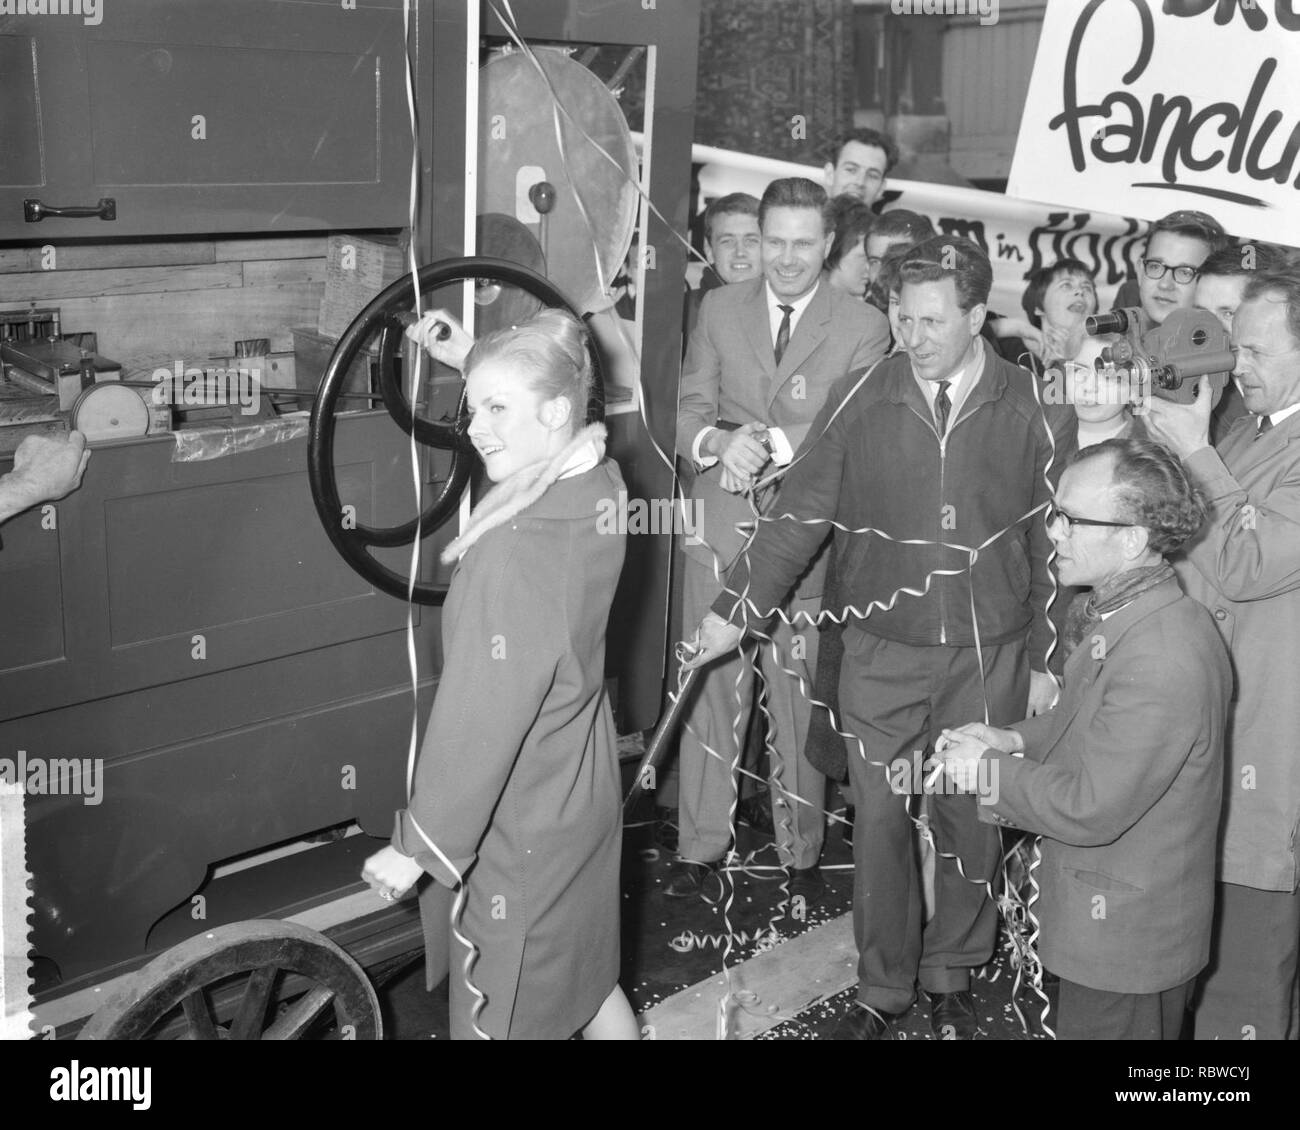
781	450
988	811
702	460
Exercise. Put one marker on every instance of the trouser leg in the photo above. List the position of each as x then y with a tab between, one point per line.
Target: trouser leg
1246	992
886	715
963	930
717	717
800	827
1094	1014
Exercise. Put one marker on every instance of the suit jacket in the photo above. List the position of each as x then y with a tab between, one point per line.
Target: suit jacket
1244	567
731	373
1123	779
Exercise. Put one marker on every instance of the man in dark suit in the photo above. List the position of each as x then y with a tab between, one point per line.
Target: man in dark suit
759	366
1123	779
944	446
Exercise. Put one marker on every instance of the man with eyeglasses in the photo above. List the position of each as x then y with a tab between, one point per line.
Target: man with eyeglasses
1123	778
1177	245
1245	568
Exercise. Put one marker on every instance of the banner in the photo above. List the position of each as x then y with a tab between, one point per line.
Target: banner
1145	107
1018	236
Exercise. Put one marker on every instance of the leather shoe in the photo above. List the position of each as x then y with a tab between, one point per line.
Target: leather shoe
807	883
862	1022
688	878
952	1015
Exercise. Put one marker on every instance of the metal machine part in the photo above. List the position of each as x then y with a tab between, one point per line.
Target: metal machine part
114	411
582	205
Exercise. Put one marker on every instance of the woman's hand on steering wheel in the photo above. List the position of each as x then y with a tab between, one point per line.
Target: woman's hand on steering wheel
443	337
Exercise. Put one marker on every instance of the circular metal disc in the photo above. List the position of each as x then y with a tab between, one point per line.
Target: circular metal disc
518	148
110	411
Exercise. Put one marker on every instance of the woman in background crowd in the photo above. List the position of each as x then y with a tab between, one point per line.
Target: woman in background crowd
1103	399
846	262
1057	302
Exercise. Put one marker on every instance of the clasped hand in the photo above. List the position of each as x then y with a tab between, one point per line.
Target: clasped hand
960	751
741	454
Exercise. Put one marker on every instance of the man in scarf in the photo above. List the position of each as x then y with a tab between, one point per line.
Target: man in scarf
1123	778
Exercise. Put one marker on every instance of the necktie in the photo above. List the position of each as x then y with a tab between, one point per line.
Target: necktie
783	334
942	406
1265	422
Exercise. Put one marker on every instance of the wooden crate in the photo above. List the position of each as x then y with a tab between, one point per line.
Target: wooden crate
356	269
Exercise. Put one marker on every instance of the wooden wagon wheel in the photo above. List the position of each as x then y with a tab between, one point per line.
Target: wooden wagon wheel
220	985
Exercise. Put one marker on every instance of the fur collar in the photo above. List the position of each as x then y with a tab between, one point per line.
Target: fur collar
515	494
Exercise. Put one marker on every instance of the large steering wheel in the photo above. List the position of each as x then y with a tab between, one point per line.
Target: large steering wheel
389	313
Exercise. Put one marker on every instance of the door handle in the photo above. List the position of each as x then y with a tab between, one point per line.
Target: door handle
34	211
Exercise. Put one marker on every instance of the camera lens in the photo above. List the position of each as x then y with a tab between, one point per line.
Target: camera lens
1115	322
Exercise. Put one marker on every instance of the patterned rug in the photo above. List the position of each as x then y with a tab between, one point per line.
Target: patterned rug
775	76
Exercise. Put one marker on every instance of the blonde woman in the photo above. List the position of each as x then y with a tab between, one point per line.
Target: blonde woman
517	790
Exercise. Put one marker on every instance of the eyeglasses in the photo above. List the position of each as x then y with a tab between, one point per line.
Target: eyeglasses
1069	521
1155	269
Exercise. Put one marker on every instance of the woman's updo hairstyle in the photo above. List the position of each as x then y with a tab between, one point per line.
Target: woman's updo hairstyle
552	347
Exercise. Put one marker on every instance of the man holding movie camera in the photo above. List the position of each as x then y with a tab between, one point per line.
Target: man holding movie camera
1245	568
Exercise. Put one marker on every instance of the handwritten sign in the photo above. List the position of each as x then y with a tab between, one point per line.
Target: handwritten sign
1145	107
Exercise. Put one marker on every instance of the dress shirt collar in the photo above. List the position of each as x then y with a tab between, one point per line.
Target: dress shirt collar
1276	418
959	384
775	315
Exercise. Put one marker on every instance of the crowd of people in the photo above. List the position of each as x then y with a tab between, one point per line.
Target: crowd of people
1018	587
1074	616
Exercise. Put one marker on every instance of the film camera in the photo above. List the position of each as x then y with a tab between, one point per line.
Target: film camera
1167	359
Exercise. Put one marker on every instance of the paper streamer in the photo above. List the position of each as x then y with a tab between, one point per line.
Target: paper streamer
15	947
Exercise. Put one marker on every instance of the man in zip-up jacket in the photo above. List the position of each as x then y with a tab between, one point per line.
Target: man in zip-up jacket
944	457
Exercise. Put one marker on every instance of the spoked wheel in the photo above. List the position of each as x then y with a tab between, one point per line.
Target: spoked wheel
259	980
387	314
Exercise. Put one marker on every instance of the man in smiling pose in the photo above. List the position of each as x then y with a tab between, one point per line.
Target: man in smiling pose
760	363
945	445
731	242
858	164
